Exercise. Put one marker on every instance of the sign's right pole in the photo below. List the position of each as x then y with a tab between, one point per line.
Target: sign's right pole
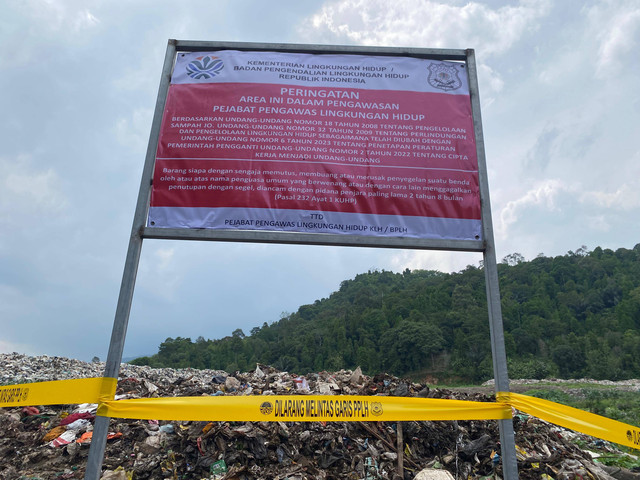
507	435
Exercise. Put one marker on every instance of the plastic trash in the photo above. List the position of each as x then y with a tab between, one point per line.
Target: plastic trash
168	428
218	469
433	474
64	439
302	384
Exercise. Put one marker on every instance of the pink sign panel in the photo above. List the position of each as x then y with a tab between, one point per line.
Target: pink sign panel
340	144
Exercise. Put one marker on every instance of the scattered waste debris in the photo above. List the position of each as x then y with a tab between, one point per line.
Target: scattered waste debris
52	442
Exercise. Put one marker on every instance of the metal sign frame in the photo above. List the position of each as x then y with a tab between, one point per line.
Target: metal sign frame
141	231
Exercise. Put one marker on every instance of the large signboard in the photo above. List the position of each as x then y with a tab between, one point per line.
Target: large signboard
340	144
322	145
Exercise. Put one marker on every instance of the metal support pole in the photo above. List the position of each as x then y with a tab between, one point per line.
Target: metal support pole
507	436
400	450
123	309
114	357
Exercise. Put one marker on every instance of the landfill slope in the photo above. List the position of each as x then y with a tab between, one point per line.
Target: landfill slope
572	386
52	442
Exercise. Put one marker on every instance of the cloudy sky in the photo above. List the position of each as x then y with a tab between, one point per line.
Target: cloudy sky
559	85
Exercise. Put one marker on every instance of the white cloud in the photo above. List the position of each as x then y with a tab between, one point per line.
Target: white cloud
619	37
491	84
542	195
28	190
133	130
84	19
164	256
433	260
35	29
60	16
625	198
430	24
553	214
599	223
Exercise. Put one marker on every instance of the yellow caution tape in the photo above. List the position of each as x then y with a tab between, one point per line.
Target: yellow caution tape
309	408
574	419
303	408
59	392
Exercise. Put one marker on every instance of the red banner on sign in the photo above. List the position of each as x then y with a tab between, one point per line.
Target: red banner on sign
274	156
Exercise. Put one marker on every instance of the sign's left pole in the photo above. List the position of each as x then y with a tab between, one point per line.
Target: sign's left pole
123	309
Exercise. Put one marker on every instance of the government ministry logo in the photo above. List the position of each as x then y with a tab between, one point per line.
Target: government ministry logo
444	77
205	67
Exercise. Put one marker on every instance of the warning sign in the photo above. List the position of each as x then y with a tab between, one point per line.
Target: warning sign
303	408
326	408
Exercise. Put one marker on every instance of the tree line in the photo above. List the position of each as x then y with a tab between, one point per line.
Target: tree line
571	316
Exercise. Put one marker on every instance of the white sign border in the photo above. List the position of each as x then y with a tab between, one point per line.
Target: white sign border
262	236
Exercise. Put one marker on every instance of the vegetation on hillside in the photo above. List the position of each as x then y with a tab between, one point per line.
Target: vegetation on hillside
570	316
608	401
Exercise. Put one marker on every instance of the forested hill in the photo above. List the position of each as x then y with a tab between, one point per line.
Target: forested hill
571	316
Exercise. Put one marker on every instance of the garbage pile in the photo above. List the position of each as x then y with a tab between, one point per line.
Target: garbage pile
52	442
